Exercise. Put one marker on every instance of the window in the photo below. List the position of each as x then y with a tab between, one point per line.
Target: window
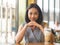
50	9
7	21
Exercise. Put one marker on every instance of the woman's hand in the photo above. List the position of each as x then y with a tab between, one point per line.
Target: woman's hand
32	23
35	24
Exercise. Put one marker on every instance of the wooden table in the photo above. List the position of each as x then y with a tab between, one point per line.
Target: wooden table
36	44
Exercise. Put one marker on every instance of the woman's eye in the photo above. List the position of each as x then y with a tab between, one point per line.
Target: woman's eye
36	13
30	13
33	13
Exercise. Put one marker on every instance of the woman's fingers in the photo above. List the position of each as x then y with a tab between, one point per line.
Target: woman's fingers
30	24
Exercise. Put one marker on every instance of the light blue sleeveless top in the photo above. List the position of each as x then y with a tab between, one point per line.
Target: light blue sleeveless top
33	36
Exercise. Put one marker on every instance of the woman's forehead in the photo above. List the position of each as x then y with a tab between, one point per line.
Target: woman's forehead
33	10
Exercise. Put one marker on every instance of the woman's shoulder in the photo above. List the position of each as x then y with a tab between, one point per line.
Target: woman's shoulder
21	26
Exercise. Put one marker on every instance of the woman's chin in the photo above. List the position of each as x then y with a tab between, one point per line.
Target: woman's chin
33	20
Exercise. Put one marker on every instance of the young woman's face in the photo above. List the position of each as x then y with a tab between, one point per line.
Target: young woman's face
33	14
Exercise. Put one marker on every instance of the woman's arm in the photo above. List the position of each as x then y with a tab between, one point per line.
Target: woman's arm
38	25
41	27
21	31
20	34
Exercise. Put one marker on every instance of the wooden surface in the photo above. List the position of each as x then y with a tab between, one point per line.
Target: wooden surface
36	44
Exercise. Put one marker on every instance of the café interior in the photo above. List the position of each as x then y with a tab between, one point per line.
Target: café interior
12	13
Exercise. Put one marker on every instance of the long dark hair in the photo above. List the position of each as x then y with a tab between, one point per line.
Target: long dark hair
40	18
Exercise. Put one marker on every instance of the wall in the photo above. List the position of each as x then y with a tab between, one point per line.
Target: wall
22	8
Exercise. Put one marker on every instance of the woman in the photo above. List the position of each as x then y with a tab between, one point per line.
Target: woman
32	29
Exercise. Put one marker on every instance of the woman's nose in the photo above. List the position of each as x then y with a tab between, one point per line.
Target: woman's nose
32	15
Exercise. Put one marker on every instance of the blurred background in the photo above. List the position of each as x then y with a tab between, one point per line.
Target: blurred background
12	14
